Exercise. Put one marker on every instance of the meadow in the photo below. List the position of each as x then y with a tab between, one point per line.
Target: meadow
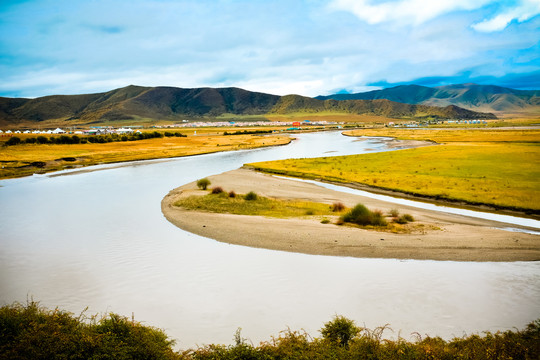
27	159
499	168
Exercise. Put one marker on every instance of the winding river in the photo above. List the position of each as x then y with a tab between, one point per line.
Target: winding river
98	239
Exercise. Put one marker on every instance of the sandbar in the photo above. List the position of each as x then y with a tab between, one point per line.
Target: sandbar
437	235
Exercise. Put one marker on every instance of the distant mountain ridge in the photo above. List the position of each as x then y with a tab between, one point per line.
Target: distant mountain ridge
171	103
486	98
380	107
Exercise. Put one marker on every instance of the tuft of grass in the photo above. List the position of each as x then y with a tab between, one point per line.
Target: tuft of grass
338	207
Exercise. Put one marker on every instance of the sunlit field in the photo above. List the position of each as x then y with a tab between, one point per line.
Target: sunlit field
496	167
27	159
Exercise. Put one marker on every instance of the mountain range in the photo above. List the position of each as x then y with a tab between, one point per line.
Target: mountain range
133	103
485	98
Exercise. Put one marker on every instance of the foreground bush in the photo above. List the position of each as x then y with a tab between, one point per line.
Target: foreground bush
32	332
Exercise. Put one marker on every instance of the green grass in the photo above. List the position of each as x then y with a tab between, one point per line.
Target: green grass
262	206
503	173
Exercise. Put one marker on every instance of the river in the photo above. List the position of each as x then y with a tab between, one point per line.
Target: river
98	239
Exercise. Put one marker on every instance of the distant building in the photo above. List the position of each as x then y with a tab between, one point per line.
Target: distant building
124	131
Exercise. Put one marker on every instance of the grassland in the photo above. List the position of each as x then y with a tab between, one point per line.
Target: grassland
27	159
499	168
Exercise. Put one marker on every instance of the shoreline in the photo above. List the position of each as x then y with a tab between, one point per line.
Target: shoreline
84	168
436	236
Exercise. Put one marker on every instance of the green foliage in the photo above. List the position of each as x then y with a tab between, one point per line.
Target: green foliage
340	331
203	183
361	215
99	139
251	196
32	332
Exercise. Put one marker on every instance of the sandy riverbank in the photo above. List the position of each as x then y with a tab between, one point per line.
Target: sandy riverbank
438	236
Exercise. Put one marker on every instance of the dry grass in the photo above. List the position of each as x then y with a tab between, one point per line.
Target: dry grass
16	160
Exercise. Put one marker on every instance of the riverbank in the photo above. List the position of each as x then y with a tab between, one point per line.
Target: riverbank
27	159
437	236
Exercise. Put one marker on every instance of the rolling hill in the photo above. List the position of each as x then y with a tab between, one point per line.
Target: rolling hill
485	98
173	104
379	107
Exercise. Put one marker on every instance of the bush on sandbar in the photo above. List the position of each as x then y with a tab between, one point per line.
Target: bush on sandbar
251	196
361	215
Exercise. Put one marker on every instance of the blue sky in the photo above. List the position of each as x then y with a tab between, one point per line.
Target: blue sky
306	47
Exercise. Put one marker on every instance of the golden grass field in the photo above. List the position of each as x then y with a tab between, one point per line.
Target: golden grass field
16	160
494	167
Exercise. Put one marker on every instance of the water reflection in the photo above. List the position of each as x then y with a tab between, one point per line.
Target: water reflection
98	239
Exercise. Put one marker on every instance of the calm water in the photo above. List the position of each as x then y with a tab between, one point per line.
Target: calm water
98	239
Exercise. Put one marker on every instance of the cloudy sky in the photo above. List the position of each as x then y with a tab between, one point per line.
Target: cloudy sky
307	47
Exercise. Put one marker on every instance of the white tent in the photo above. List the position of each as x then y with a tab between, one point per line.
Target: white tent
58	131
124	131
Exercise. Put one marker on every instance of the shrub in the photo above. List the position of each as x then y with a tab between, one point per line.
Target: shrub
217	190
377	218
13	141
203	183
362	216
325	221
32	332
232	194
404	219
251	196
394	213
408	217
340	330
356	214
337	207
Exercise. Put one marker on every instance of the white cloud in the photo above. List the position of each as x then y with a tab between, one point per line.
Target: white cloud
522	12
407	12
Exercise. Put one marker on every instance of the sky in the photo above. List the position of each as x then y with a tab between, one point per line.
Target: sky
305	47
